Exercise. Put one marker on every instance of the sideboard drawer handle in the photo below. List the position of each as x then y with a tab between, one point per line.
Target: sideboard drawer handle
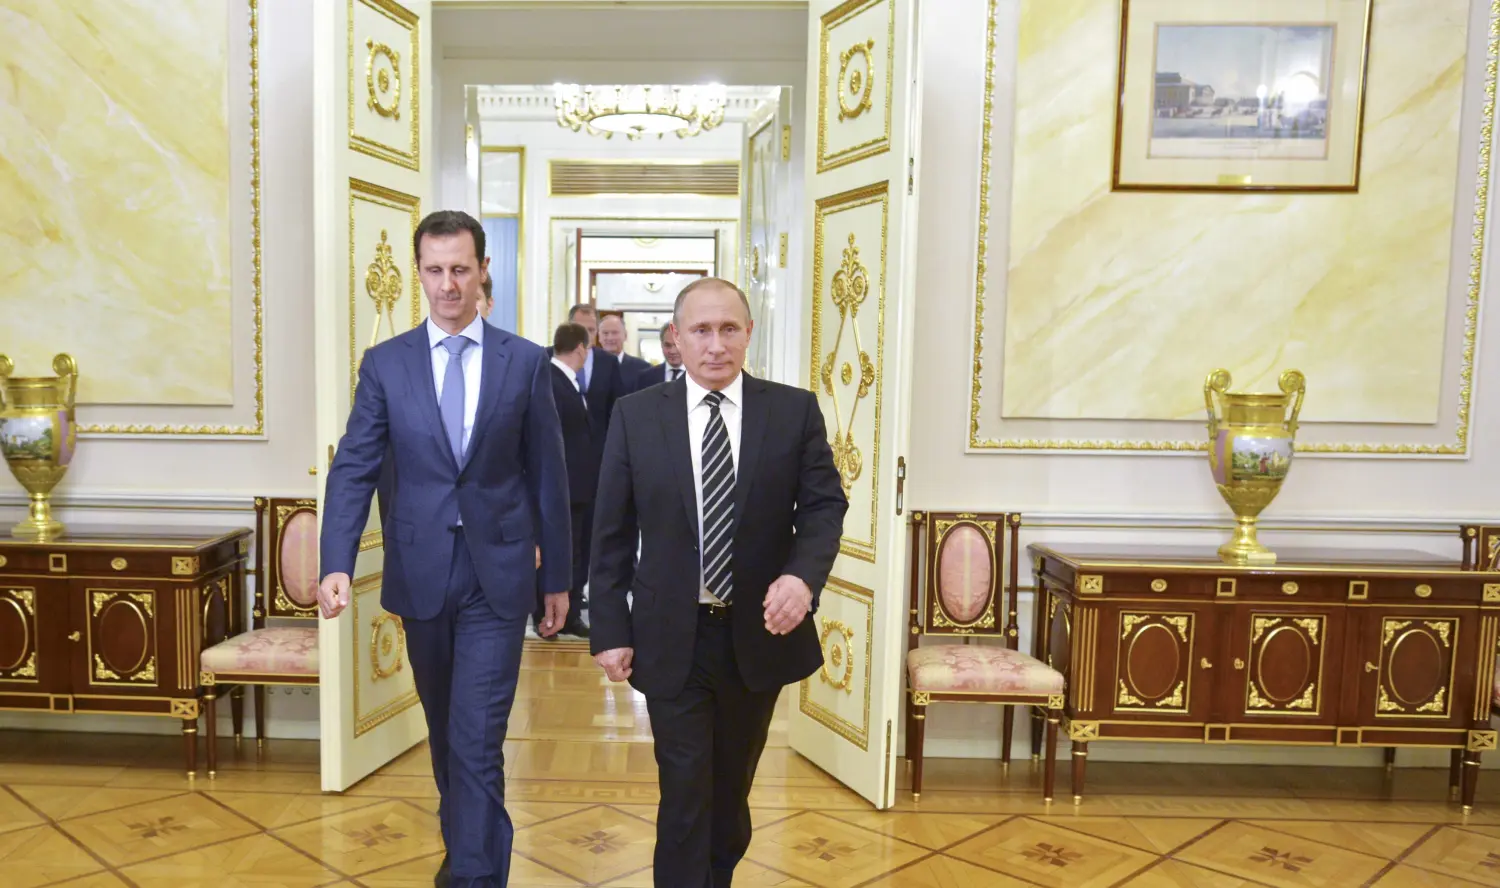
1423	590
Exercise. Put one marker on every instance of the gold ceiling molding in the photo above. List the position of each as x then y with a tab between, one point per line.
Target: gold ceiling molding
579	178
1460	444
258	427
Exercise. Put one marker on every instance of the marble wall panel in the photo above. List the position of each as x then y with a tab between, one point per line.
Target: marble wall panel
115	195
1118	305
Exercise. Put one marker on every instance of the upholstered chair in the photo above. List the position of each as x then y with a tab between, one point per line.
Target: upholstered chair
286	591
960	564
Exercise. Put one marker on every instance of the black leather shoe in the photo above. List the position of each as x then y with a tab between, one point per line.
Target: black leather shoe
577	629
443	877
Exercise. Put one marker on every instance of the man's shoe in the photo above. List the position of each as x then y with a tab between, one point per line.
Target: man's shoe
443	877
576	629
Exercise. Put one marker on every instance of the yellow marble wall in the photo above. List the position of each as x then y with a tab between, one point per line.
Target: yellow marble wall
1118	305
115	195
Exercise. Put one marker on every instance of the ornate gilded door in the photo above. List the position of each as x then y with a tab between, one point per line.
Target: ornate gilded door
765	187
861	182
1409	668
1287	664
372	181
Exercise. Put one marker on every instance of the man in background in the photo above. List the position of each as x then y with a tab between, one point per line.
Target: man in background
570	348
726	486
612	336
456	423
671	365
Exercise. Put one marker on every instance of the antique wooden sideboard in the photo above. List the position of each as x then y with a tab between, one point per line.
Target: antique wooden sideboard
112	619
1381	649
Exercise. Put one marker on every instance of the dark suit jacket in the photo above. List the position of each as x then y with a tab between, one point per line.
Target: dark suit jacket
654	375
789	510
631	367
511	490
606	385
578	438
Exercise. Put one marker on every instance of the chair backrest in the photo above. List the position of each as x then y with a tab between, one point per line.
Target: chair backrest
1481	546
962	562
286	560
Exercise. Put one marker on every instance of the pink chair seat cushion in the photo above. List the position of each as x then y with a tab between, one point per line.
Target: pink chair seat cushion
1495	692
280	650
977	669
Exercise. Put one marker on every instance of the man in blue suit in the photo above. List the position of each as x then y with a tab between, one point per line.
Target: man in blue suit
455	421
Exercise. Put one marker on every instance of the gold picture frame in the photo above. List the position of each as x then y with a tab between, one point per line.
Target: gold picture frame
1236	96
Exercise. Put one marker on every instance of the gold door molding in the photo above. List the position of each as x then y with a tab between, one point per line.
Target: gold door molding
384	43
1154	635
381	223
1399	694
1293	634
383	685
18	615
856	54
849	222
838	695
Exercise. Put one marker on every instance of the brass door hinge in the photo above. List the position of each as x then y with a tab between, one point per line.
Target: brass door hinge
900	483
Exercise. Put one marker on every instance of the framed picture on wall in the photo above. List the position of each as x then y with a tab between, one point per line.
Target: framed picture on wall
1241	95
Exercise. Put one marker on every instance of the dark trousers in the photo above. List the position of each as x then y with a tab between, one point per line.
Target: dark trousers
583	517
708	741
466	662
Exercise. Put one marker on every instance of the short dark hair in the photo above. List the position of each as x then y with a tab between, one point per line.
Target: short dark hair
703	284
664	328
568	338
581	308
446	223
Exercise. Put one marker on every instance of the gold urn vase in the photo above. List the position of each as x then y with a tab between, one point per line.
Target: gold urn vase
37	435
1251	439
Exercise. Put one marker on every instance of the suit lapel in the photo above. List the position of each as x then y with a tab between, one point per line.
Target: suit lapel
496	355
674	427
419	370
755	415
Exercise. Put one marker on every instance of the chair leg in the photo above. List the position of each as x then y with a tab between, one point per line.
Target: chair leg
211	729
1038	717
260	717
919	724
237	712
190	745
1050	771
1390	758
1007	729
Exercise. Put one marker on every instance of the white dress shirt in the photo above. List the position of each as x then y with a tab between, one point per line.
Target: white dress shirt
664	372
698	413
472	361
569	372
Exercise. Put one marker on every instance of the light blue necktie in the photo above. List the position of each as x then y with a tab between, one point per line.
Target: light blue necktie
452	402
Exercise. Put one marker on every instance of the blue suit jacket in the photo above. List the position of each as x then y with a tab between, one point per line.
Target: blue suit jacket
511	491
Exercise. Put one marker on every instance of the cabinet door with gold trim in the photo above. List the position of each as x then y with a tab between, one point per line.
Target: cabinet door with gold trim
1417	668
372	183
1286	663
33	619
861	175
1161	658
122	648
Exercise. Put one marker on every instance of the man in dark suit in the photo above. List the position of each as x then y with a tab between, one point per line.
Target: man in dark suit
601	380
570	346
455	421
670	368
729	484
612	337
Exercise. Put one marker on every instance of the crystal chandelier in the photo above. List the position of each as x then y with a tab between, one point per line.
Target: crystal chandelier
640	111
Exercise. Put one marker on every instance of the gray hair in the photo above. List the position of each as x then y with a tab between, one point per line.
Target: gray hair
704	283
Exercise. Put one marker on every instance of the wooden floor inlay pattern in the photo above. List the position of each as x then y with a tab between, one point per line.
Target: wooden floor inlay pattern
96	811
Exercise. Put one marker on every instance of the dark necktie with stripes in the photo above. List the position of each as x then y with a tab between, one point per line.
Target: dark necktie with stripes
718	503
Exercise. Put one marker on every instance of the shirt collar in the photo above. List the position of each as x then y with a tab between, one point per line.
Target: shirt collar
733	393
572	374
473	332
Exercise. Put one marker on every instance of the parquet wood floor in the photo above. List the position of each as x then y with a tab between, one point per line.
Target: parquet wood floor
96	811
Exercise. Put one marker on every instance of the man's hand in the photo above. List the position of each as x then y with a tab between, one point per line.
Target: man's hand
787	603
557	613
333	594
615	662
538	557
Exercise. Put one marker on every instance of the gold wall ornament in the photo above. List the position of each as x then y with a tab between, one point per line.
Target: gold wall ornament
856	84
361	138
849	287
384	82
387	645
1251	440
837	655
38	433
383	286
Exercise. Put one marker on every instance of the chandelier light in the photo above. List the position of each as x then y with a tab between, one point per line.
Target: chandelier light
638	111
